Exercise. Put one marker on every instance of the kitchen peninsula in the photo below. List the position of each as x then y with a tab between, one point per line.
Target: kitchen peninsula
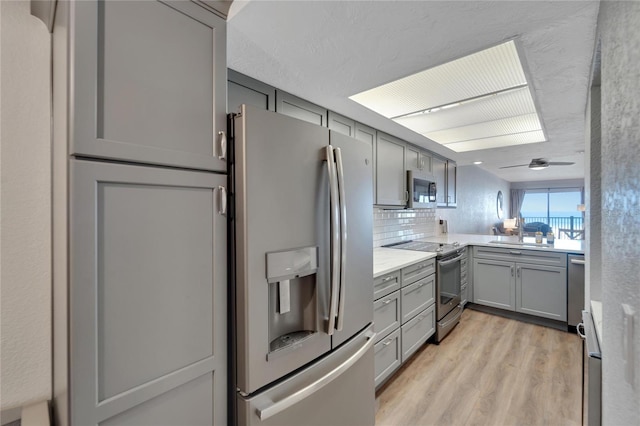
503	276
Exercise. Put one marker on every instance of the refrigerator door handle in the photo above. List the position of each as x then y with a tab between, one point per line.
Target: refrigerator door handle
343	237
335	238
283	404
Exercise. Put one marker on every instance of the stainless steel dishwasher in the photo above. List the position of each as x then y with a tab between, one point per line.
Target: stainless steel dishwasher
575	290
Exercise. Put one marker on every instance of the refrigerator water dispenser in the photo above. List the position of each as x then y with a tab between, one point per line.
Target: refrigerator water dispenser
291	275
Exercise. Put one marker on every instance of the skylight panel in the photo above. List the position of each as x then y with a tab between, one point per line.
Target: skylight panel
476	97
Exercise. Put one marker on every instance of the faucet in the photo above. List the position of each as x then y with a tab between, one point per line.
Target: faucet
521	228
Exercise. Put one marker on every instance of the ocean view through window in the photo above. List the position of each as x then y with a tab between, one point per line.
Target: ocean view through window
557	208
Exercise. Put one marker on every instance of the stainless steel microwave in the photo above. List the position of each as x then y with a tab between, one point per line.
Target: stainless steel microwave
422	190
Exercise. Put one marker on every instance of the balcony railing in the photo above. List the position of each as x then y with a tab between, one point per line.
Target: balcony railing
564	228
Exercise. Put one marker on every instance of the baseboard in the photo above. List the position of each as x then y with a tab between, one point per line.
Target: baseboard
10	416
545	322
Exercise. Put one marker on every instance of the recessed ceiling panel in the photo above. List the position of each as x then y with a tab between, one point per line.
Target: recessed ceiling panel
498	141
488	71
514	103
505	126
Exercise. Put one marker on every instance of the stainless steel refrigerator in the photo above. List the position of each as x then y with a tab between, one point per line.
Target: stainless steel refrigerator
303	262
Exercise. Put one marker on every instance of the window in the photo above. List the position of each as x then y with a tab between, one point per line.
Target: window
558	208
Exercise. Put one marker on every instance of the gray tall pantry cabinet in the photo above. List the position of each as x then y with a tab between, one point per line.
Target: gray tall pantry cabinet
139	182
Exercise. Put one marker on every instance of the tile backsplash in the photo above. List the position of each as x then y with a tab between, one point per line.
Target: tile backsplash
392	226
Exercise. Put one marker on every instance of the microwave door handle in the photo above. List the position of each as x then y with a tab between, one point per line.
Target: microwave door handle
343	237
334	237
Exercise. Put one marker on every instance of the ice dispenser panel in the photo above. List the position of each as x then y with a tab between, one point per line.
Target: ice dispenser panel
291	275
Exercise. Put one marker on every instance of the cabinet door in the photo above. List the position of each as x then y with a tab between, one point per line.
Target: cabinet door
391	182
425	162
295	107
342	124
452	170
367	134
440	172
148	83
147	296
412	158
541	291
494	283
246	90
387	357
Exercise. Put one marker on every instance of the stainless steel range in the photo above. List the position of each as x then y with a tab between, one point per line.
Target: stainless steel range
448	281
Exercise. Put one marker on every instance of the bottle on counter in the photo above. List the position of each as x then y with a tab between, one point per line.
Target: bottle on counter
550	237
538	237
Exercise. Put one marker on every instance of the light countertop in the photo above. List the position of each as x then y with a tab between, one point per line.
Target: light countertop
565	246
387	260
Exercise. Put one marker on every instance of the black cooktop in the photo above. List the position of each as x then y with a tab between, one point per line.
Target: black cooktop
439	248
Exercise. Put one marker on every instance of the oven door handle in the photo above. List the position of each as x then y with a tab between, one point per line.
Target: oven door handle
455	318
448	262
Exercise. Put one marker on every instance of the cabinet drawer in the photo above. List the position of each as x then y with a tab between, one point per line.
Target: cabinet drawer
413	273
386	314
538	257
386	284
417	296
464	295
417	331
387	356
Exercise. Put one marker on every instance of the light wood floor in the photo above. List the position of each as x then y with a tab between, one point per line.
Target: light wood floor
489	371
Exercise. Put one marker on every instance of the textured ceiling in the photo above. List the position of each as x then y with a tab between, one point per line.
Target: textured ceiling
326	51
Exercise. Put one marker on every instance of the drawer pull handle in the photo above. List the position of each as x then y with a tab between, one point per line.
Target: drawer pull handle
387	279
387	343
515	252
386	302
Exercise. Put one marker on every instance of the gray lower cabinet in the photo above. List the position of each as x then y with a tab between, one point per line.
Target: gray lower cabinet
494	283
296	107
527	281
541	291
417	296
385	284
388	356
147	296
148	81
391	181
404	315
416	332
242	89
386	314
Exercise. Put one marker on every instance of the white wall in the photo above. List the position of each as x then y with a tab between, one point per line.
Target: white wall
25	224
620	145
476	195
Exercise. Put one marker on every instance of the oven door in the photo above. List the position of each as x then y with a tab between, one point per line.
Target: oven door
448	284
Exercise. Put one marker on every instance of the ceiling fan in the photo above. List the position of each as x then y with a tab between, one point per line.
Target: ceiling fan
541	163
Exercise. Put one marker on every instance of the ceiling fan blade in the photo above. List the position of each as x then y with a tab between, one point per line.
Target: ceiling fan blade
518	165
561	163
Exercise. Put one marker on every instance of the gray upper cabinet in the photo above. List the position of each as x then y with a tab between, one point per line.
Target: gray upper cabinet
148	83
452	180
147	296
342	124
440	172
296	107
391	182
445	172
368	135
417	159
246	90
